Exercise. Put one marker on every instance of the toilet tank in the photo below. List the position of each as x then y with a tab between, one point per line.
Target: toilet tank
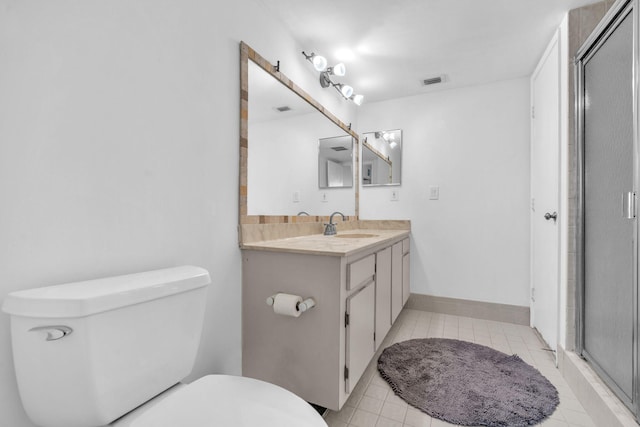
86	353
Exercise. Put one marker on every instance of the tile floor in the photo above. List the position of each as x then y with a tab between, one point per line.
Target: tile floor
374	404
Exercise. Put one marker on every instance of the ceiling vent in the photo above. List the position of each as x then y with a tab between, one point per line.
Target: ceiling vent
434	80
283	108
339	148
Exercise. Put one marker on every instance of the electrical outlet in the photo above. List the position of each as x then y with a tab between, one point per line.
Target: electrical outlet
395	195
434	192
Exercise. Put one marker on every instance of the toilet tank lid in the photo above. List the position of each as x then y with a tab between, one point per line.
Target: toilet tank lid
89	297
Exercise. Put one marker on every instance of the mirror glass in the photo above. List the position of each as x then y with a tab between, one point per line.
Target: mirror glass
335	162
284	133
382	157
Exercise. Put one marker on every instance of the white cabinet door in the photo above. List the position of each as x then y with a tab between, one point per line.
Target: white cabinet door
396	281
359	337
406	289
383	294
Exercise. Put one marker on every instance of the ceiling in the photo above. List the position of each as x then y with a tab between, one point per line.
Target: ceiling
390	46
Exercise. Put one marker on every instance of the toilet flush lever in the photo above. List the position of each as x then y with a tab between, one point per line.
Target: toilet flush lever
54	332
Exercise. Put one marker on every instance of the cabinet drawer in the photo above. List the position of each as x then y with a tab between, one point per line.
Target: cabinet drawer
405	246
361	271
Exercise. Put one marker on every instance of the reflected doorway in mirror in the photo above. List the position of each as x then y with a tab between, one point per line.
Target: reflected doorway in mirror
335	162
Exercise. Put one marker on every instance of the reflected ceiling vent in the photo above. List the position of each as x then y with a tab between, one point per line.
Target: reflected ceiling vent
339	148
283	108
434	80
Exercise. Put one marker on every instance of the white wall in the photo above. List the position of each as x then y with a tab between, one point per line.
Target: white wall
118	149
473	142
563	221
283	159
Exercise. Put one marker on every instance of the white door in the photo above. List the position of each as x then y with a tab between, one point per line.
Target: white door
545	238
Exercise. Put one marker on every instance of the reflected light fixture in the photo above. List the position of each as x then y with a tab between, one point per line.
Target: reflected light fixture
390	138
320	64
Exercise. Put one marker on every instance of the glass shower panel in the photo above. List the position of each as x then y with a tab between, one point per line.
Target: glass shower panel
608	236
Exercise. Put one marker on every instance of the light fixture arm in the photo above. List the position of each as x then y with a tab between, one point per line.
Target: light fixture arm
320	64
338	87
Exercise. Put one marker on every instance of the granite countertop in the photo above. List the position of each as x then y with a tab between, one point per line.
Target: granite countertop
320	244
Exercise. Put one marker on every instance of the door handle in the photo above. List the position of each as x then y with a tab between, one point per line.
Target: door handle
549	216
629	205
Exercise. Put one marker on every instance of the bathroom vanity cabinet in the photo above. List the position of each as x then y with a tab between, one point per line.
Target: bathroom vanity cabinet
359	292
392	280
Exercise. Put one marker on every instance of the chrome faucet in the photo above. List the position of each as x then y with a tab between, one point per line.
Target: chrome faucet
330	229
303	213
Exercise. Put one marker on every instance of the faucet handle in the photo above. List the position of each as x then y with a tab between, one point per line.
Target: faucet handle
329	229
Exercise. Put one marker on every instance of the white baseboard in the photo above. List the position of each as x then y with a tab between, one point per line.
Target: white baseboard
468	308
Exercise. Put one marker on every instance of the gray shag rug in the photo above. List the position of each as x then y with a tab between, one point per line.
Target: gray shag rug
467	384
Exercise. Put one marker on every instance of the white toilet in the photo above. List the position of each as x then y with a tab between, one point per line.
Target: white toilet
87	354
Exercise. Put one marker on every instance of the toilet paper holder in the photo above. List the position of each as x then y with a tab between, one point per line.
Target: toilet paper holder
303	306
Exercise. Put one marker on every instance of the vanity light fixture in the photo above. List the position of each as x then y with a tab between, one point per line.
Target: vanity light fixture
337	70
345	90
357	99
320	64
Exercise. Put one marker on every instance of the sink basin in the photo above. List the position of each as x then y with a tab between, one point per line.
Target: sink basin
355	236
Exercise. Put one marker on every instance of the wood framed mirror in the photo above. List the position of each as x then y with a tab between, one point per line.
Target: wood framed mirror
266	194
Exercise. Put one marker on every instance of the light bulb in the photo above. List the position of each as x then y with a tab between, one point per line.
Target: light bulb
339	69
357	99
319	62
346	90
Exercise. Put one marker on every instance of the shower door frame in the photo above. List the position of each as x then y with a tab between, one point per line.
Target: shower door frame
597	38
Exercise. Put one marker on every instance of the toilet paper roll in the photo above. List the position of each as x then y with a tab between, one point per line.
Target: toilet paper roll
287	305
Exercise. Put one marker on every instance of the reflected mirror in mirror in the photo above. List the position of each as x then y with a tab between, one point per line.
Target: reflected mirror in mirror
283	133
335	162
382	157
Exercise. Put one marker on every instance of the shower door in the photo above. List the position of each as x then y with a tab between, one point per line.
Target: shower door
607	214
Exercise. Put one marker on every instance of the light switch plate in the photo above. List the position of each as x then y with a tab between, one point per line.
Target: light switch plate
395	195
324	198
296	197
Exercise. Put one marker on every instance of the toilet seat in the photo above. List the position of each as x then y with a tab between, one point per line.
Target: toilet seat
223	400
